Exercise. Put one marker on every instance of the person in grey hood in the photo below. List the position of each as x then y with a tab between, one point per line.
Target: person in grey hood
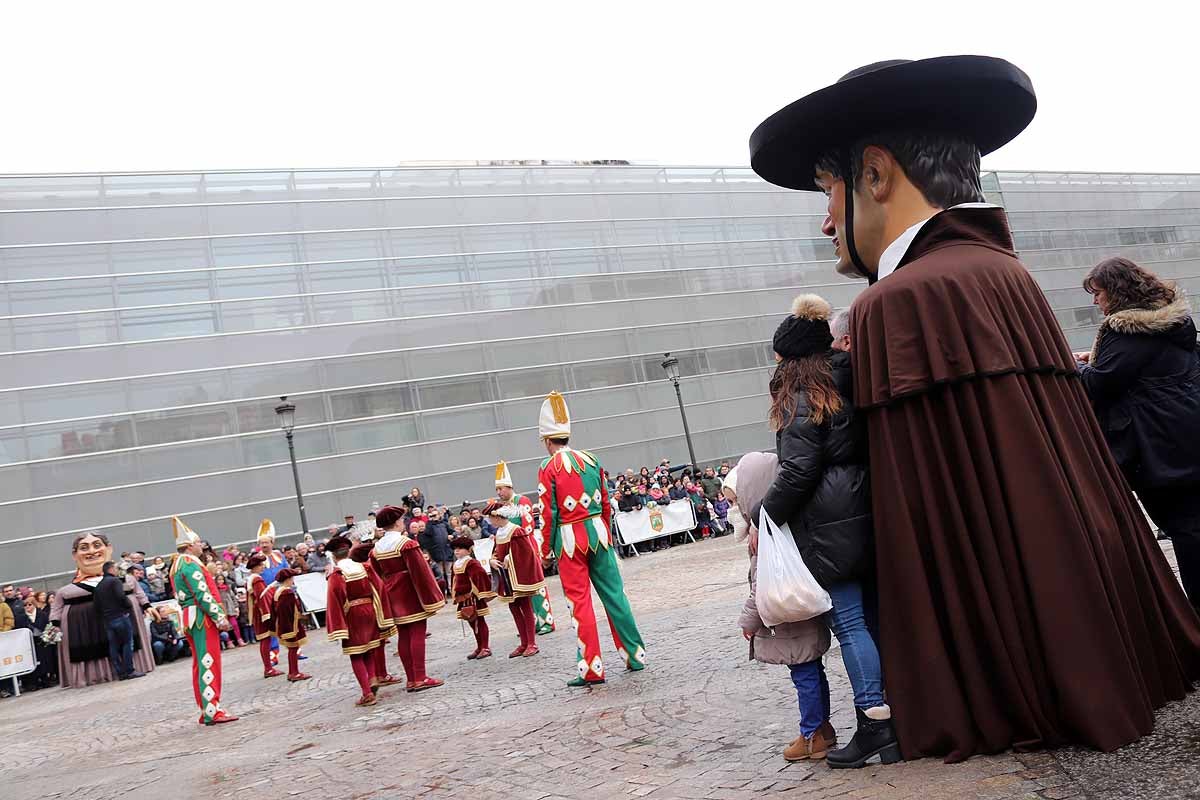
799	645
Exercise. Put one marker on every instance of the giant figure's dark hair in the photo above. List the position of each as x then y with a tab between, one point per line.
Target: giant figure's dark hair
944	167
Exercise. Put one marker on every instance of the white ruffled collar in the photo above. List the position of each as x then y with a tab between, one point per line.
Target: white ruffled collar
351	568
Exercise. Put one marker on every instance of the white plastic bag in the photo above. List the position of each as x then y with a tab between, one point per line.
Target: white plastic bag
787	590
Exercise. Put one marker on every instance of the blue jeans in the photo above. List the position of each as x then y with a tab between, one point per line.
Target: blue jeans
812	690
164	652
120	645
852	621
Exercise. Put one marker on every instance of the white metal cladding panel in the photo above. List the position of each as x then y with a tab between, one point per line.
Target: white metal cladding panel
1071	221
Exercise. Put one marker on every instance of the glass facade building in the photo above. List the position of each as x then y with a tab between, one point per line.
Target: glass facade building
416	316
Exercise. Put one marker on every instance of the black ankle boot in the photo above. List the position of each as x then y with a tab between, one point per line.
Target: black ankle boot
874	737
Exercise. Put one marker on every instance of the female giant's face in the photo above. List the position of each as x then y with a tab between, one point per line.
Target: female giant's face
90	554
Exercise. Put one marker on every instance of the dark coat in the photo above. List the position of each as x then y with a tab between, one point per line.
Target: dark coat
1018	580
435	540
822	489
1143	379
1144	382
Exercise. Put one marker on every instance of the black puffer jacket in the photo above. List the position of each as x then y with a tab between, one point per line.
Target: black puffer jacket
1143	379
435	540
822	488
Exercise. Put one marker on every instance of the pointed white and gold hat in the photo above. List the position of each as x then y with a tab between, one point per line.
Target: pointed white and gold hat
554	421
266	530
183	534
502	476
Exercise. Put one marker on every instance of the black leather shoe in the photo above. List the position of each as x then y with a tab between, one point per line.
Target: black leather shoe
874	737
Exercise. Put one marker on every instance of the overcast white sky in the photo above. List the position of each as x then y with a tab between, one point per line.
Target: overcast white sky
149	86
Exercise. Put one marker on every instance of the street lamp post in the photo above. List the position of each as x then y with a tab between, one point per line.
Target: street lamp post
671	365
287	422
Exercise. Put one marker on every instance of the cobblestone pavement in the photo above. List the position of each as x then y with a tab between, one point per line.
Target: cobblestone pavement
701	722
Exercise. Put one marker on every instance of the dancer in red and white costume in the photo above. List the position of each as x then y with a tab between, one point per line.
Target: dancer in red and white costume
355	616
288	617
518	564
472	589
522	517
258	611
412	593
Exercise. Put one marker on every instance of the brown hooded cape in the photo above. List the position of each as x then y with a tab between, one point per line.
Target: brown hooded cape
1023	599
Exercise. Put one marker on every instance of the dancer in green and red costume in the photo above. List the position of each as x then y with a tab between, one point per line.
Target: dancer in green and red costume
203	619
523	518
576	525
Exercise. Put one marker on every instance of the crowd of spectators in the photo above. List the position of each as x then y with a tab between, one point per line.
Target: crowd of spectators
630	491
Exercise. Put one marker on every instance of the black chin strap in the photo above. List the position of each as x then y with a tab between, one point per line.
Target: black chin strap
851	250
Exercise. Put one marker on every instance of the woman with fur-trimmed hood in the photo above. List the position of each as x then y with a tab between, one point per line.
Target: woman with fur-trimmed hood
1143	378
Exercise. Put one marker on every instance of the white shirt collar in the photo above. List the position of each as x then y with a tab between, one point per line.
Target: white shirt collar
894	253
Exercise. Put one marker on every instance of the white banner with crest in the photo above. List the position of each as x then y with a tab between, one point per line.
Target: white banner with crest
652	522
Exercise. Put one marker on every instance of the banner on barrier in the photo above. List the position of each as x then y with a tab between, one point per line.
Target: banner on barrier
650	523
311	587
17	655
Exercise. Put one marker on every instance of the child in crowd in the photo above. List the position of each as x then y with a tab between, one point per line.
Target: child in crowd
233	636
721	512
472	590
799	645
438	574
243	617
700	503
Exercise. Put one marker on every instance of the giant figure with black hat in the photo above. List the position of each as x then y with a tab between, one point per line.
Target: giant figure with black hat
1023	600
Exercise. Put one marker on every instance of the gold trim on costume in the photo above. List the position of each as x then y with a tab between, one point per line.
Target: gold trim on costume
363	648
559	407
381	621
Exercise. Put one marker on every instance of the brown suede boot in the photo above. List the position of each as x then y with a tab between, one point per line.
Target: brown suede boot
816	746
798	750
823	740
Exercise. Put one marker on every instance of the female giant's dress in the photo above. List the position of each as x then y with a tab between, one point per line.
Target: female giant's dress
83	652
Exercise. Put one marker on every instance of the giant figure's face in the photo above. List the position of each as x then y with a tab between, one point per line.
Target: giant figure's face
90	553
834	225
870	222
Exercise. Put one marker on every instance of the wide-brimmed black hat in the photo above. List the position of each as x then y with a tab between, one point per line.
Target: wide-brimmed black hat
985	100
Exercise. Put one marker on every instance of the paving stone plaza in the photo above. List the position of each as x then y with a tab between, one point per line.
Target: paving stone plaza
701	722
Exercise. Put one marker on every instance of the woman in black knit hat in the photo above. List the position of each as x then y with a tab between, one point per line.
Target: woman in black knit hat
821	489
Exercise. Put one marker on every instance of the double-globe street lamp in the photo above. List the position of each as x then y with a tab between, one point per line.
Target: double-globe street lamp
286	412
671	365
